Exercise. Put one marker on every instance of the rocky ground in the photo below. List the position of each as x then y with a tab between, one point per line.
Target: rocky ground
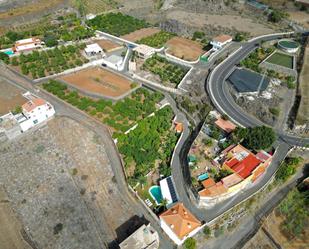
60	184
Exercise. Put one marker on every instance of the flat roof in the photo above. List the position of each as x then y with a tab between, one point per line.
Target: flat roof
94	47
168	190
247	81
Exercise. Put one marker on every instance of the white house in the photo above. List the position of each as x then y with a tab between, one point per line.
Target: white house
179	224
221	40
94	49
114	62
27	44
144	51
35	111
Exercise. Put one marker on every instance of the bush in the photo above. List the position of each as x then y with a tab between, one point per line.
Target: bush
207	231
274	111
190	243
4	57
287	168
198	35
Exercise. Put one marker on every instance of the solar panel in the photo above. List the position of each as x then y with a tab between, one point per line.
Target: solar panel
172	189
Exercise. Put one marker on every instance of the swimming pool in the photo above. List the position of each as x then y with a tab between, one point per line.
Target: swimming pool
9	52
155	192
203	177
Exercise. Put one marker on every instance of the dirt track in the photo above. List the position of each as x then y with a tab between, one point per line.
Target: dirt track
98	80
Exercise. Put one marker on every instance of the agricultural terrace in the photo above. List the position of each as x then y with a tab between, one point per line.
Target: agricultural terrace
253	60
148	148
38	64
303	110
108	45
184	48
169	73
281	59
116	24
120	116
141	33
68	28
156	40
100	81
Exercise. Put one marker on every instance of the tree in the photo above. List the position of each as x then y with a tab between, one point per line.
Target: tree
4	57
190	243
207	231
50	41
198	35
277	16
240	36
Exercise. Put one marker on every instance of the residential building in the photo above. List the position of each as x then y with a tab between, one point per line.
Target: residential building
221	40
34	112
143	238
114	62
93	50
144	51
225	125
168	191
179	223
27	44
178	127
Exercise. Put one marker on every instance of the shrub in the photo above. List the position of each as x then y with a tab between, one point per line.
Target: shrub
4	57
274	111
190	243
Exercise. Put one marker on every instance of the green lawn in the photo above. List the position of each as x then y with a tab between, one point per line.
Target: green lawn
281	60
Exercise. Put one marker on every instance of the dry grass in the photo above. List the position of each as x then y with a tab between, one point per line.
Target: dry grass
141	33
303	111
36	7
107	45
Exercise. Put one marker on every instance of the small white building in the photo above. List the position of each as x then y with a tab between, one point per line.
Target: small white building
94	49
145	237
168	191
221	40
35	111
179	224
114	62
144	51
27	44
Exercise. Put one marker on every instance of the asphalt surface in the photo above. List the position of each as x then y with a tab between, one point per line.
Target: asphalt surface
224	102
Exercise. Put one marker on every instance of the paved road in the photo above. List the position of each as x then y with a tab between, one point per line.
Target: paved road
222	99
64	109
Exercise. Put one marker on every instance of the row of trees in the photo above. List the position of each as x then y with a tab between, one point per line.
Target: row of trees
116	23
168	72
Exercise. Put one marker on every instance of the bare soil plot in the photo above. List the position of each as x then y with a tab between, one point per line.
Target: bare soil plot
108	45
301	17
10	97
184	48
10	227
59	180
98	80
224	21
259	241
141	33
303	111
272	225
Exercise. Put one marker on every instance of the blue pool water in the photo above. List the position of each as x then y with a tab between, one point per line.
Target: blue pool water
9	52
155	192
203	177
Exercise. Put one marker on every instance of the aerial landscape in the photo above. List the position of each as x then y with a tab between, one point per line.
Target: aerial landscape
147	124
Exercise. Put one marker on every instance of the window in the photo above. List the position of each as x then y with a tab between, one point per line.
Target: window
35	121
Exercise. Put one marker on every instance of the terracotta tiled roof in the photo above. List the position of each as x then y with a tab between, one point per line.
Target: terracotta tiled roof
179	127
33	103
222	38
263	156
225	125
245	167
208	183
215	190
180	220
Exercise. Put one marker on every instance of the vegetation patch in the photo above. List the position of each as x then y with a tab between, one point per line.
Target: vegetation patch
119	116
116	24
157	40
253	60
168	72
281	59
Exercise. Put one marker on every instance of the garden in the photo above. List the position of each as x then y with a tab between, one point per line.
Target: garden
253	60
116	24
38	64
168	72
120	116
157	40
66	28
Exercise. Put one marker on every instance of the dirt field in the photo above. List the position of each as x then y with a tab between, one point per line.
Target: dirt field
300	17
184	48
225	21
60	182
108	45
10	97
259	241
303	111
139	34
10	227
272	225
98	80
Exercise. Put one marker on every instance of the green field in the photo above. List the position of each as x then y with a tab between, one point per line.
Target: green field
281	60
